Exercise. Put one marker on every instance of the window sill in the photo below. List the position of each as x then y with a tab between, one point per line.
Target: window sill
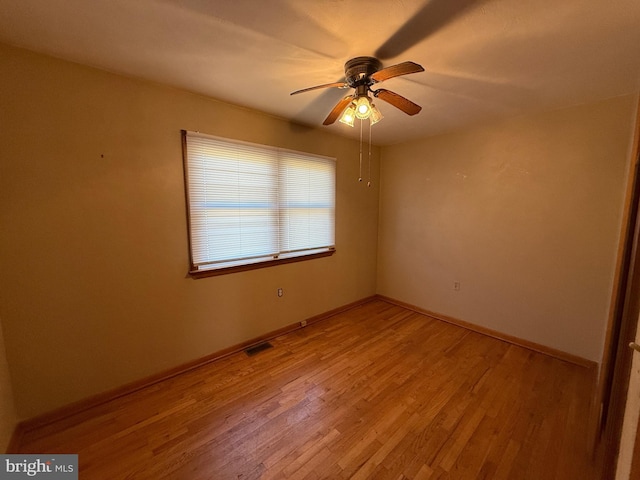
214	272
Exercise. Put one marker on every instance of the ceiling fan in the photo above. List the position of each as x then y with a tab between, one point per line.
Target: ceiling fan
361	73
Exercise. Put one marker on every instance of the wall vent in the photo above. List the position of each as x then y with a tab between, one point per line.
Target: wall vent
251	351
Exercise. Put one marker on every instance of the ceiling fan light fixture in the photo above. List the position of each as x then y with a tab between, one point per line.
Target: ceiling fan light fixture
361	73
363	107
376	115
349	116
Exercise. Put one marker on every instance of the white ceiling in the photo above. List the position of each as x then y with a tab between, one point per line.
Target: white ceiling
484	59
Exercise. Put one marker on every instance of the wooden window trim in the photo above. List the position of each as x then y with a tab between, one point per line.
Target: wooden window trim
214	272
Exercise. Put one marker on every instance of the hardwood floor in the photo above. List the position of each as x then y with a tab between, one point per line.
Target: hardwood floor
375	392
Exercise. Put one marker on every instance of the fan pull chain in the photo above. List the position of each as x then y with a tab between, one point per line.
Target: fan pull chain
369	182
360	177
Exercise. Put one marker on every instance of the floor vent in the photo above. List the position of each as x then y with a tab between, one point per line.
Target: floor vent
251	351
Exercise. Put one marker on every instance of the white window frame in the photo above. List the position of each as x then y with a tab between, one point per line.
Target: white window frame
289	209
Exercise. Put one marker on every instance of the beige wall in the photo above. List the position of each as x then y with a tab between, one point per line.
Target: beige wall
93	252
524	213
8	418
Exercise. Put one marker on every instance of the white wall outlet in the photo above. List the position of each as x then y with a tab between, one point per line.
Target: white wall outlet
280	292
456	286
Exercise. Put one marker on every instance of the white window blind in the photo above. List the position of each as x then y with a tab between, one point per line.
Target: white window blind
252	203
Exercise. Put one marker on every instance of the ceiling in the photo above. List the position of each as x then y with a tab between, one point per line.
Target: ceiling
483	59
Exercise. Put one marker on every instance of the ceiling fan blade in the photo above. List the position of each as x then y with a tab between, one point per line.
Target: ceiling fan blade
326	85
403	68
398	101
429	19
337	110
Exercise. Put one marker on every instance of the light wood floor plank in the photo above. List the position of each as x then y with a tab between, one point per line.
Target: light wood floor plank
378	391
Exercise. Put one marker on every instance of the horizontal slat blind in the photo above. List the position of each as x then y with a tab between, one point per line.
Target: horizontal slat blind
250	203
307	200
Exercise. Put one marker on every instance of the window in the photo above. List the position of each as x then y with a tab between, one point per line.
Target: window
252	205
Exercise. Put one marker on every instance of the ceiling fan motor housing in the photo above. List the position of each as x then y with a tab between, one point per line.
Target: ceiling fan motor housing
357	70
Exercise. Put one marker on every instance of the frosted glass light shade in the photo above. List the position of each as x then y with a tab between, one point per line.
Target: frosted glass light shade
349	116
363	107
376	115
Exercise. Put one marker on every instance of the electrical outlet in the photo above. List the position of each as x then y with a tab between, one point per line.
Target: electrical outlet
280	292
456	286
